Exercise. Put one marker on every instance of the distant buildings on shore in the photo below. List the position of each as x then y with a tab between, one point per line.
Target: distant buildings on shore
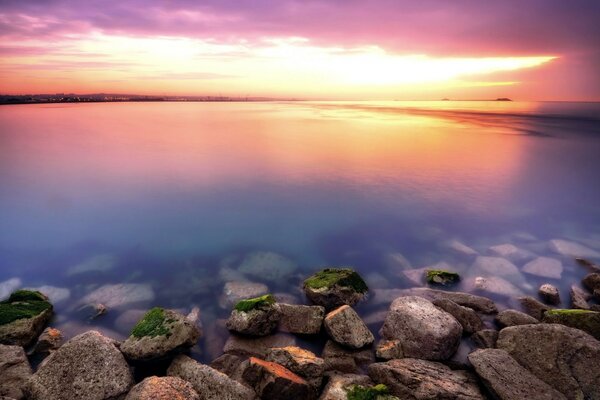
102	97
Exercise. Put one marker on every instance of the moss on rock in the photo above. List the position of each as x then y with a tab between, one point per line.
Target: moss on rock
255	303
154	323
377	392
441	276
585	320
23	304
344	277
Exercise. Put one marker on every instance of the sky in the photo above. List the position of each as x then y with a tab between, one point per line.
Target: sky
309	49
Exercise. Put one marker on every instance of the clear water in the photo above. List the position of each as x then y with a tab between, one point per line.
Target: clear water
167	194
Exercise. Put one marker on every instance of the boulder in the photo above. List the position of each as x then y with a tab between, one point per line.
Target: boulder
299	319
272	381
414	379
585	320
343	359
508	380
563	357
255	317
336	388
209	383
424	330
245	346
591	282
572	249
544	267
89	366
533	307
579	298
159	334
23	317
300	361
485	338
266	265
513	317
235	291
468	318
345	327
163	388
477	303
14	371
120	295
334	287
549	294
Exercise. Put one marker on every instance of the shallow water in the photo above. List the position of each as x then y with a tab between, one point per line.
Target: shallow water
179	195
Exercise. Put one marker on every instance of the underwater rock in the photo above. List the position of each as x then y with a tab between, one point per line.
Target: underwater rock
337	385
163	388
467	317
272	381
579	298
585	320
485	338
89	366
266	265
565	358
245	346
238	290
299	319
301	362
424	330
128	318
345	327
508	380
572	249
255	317
334	287
488	267
50	340
120	295
343	359
441	277
511	253
513	317
54	294
549	294
97	263
417	379
92	311
462	249
9	286
159	334
209	383
544	267
14	372
494	285
414	276
23	317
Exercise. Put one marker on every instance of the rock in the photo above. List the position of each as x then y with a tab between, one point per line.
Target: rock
53	293
563	357
163	388
272	381
255	317
549	294
579	298
485	338
227	364
591	282
396	262
98	263
89	366
572	249
495	286
286	298
258	347
92	311
513	317
533	307
415	379
14	371
265	265
50	339
306	320
462	249
159	334
588	264
128	319
510	252
468	318
238	290
9	286
336	387
441	277
477	303
585	320
338	358
389	349
23	316
377	392
414	276
209	383
345	327
301	362
544	267
488	267
424	330
334	287
120	295
508	380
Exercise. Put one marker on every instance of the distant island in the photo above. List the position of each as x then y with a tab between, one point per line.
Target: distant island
503	99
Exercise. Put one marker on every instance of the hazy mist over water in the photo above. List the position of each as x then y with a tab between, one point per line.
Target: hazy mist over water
169	190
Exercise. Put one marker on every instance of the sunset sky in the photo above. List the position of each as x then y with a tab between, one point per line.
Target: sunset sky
313	49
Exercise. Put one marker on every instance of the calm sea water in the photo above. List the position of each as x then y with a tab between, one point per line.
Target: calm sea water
177	196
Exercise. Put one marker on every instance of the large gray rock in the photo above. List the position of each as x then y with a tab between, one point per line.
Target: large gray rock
544	267
334	287
424	330
513	317
468	318
14	371
477	303
89	366
272	381
209	383
413	379
261	321
306	320
508	380
346	328
163	388
159	334
23	317
563	357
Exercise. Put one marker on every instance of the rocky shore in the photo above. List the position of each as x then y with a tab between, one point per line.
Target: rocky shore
433	343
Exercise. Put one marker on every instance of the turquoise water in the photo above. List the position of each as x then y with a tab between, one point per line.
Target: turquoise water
177	196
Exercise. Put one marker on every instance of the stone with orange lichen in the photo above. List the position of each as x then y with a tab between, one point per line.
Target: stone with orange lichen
299	361
273	381
49	340
163	388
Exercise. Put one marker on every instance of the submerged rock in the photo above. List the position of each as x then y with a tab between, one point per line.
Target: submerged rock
572	249
494	285
468	318
549	294
14	371
89	366
510	252
544	267
424	330
306	320
23	316
97	263
563	357
345	327
585	320
265	265
508	380
272	381
416	379
120	294
54	294
462	249
488	267
477	303
159	334
441	277
334	287
238	290
513	317
163	388
255	317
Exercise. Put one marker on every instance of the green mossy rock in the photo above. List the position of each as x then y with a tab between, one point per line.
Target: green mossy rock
255	303
23	316
377	392
334	287
441	277
154	323
585	320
